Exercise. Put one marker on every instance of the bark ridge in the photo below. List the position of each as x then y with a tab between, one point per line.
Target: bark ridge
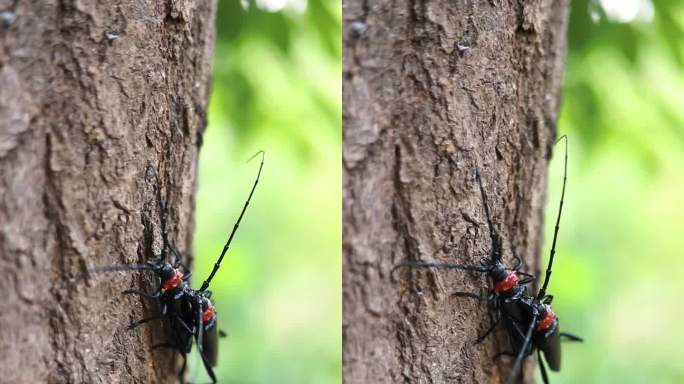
91	93
432	91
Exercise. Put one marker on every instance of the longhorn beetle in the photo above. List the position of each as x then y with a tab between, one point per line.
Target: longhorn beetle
528	319
189	312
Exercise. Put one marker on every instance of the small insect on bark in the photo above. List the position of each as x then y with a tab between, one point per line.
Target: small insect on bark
190	313
526	318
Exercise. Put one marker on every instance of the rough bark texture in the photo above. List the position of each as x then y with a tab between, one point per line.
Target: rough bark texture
91	93
431	91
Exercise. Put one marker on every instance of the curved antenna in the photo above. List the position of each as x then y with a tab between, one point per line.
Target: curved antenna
542	291
206	283
496	239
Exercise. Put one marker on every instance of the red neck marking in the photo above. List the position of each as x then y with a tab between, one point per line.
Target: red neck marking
173	282
208	313
506	284
547	321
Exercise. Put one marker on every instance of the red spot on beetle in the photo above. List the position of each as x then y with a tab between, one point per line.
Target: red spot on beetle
173	282
547	321
506	284
208	313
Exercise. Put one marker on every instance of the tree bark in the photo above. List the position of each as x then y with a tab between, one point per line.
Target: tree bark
433	91
94	98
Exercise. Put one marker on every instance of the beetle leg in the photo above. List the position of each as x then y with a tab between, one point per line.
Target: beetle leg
153	296
542	368
489	331
515	371
138	323
571	337
184	324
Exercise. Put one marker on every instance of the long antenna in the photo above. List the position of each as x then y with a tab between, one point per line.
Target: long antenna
205	285
125	267
496	239
542	291
439	265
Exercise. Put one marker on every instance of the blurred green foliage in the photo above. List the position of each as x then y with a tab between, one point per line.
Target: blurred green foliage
276	87
618	276
617	281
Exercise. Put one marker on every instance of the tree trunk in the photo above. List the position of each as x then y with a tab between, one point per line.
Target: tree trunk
433	91
94	98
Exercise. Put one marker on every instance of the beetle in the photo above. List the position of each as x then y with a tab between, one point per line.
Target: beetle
528	319
190	313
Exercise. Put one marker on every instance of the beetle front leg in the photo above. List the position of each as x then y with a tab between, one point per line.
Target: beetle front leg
146	295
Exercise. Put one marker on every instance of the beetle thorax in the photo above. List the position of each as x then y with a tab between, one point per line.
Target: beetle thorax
546	320
172	282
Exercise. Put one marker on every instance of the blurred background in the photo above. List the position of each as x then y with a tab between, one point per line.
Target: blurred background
276	87
619	276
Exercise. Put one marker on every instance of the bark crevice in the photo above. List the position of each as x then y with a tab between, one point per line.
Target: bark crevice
431	92
90	96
